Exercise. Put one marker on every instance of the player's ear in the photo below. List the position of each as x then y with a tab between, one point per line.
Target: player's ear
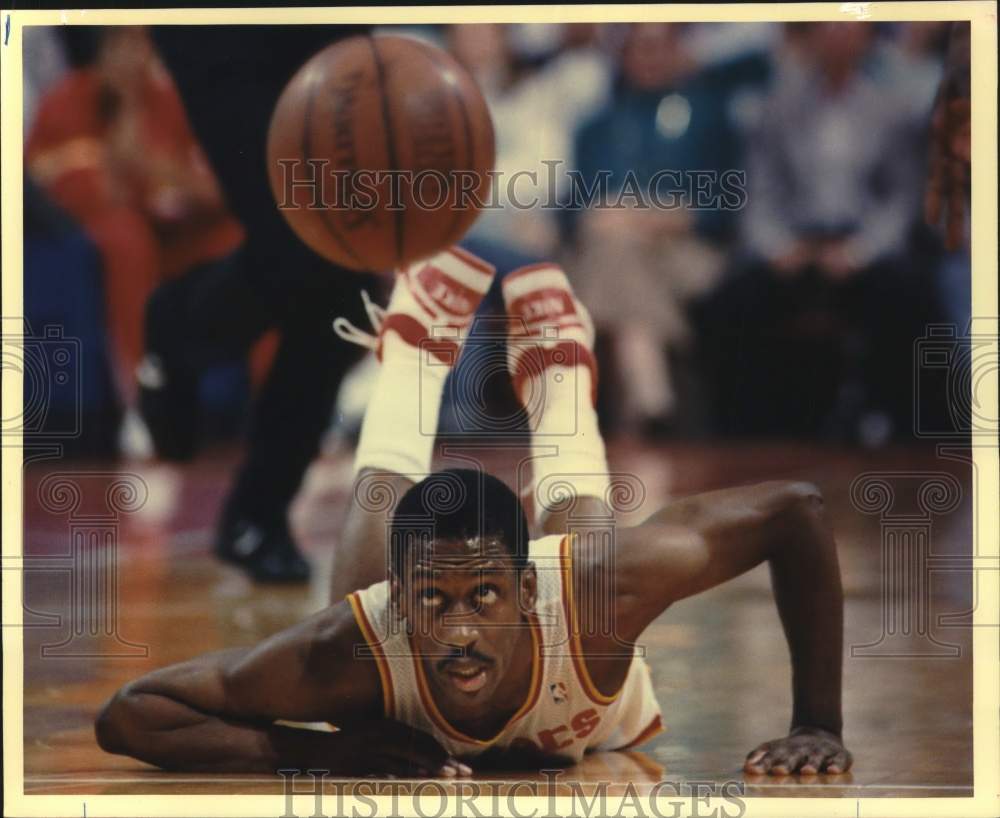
528	587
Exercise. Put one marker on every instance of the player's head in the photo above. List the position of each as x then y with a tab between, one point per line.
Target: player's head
461	578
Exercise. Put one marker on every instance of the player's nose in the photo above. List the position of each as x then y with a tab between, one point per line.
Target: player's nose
460	628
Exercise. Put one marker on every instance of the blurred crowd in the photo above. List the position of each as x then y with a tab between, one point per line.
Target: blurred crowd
787	305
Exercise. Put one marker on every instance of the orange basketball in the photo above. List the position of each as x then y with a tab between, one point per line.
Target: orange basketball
379	151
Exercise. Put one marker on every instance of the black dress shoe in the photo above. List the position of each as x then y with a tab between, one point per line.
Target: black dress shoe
266	553
168	402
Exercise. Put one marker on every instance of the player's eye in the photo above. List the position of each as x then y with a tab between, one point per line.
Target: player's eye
487	594
430	597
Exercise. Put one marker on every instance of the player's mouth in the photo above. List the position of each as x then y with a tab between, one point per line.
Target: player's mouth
469	678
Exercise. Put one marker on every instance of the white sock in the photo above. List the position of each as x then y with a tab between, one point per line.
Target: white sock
400	423
565	419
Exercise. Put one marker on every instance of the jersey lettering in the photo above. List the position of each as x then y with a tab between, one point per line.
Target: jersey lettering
581	725
585	722
549	741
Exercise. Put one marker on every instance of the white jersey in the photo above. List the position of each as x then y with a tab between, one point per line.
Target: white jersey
564	713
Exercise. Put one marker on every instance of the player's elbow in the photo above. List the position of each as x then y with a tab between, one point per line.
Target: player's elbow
111	724
801	498
119	725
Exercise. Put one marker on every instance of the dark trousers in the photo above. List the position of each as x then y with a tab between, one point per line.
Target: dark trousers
229	78
806	356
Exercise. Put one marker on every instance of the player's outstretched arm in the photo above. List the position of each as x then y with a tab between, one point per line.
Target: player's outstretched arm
702	541
216	713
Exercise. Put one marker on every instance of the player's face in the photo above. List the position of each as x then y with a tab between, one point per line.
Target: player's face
465	606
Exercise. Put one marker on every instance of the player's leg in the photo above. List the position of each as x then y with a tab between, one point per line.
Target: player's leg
290	416
419	341
550	342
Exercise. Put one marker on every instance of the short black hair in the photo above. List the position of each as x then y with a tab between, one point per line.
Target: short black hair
458	504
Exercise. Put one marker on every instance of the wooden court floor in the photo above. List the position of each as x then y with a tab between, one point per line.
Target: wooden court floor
118	580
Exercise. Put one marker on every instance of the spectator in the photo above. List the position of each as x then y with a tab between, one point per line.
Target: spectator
666	115
542	82
832	198
111	145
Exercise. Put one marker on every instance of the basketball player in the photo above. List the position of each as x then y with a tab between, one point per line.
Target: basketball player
482	647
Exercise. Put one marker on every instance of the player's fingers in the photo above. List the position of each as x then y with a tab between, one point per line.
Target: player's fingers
840	762
754	760
766	764
812	763
760	767
785	763
453	768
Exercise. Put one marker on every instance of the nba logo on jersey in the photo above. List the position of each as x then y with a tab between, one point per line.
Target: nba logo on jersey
558	692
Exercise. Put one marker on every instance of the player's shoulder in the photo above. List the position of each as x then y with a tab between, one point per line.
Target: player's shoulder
333	630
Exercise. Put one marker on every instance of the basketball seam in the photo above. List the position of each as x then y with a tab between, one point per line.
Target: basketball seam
463	112
306	148
390	141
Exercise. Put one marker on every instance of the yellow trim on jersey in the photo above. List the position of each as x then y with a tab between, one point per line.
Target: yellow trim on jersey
654	728
575	645
535	688
388	699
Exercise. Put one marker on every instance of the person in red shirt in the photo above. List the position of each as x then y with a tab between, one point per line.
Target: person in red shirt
112	146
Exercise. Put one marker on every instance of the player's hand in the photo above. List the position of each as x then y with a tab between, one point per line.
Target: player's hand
806	750
390	748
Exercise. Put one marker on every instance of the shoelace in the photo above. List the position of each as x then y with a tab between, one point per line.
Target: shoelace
350	333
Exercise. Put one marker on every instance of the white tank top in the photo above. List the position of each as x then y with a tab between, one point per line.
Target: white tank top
564	714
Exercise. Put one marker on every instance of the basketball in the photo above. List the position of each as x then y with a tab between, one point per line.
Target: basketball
379	150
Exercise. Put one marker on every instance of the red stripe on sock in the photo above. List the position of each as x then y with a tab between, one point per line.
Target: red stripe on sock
415	334
536	359
450	296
